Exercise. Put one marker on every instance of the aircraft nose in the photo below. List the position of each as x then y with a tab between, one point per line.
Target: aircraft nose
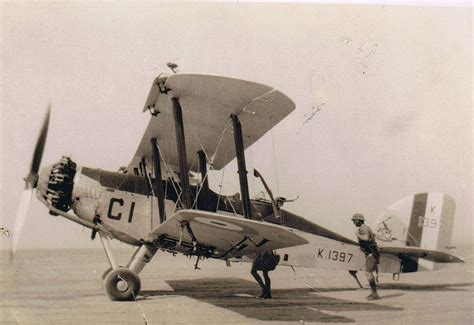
55	184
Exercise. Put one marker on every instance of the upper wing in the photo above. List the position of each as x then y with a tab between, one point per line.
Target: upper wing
430	255
221	236
207	103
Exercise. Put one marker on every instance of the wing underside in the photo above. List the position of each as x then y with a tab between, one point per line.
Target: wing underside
207	103
217	235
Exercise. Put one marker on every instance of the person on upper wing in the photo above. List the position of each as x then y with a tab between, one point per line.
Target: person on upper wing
368	245
265	262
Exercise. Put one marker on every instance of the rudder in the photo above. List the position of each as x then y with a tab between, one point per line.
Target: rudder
422	220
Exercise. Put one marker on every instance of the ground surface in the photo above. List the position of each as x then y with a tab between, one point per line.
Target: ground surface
65	287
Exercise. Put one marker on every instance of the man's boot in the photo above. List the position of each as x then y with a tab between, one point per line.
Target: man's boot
268	292
264	289
373	291
260	282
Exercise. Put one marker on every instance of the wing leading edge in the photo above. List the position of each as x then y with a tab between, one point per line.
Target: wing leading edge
207	102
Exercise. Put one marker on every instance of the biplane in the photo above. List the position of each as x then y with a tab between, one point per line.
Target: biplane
162	200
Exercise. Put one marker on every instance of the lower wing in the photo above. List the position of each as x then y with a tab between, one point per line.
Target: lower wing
217	235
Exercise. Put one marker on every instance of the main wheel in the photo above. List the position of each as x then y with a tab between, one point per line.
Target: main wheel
122	284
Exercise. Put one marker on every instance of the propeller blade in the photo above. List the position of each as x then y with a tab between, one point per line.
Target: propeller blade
20	218
38	153
30	184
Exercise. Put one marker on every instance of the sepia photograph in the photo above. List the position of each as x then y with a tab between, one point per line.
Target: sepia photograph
236	162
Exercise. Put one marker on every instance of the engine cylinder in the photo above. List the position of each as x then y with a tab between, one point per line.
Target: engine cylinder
60	184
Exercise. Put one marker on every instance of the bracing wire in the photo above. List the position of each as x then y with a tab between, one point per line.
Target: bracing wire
199	191
173	183
221	137
223	170
275	164
220	184
152	192
177	185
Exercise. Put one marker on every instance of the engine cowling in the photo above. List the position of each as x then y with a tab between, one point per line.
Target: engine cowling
60	183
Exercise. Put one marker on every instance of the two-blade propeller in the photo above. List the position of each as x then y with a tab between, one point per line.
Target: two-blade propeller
31	181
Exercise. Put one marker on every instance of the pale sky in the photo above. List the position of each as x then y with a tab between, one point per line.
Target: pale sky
393	86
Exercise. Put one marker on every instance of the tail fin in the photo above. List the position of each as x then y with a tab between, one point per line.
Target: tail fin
423	220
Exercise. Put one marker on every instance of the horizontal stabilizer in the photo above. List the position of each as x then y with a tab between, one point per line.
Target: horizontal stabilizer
430	255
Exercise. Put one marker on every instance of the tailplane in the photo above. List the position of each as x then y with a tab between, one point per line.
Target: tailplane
423	220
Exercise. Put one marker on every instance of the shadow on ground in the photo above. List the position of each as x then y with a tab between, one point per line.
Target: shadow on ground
426	287
238	295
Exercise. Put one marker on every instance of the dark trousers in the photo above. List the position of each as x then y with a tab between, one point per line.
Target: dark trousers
266	286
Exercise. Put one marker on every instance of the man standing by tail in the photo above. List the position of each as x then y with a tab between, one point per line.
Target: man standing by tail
367	243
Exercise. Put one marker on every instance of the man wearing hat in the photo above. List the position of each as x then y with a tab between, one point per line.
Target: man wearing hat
367	243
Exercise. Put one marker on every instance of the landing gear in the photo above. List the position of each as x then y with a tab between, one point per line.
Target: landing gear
122	284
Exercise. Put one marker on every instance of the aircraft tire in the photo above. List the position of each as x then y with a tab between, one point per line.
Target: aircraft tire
122	284
107	272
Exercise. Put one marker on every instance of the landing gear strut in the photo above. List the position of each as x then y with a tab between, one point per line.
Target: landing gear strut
122	283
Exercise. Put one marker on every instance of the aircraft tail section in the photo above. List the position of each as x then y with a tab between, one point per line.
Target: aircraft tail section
423	220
